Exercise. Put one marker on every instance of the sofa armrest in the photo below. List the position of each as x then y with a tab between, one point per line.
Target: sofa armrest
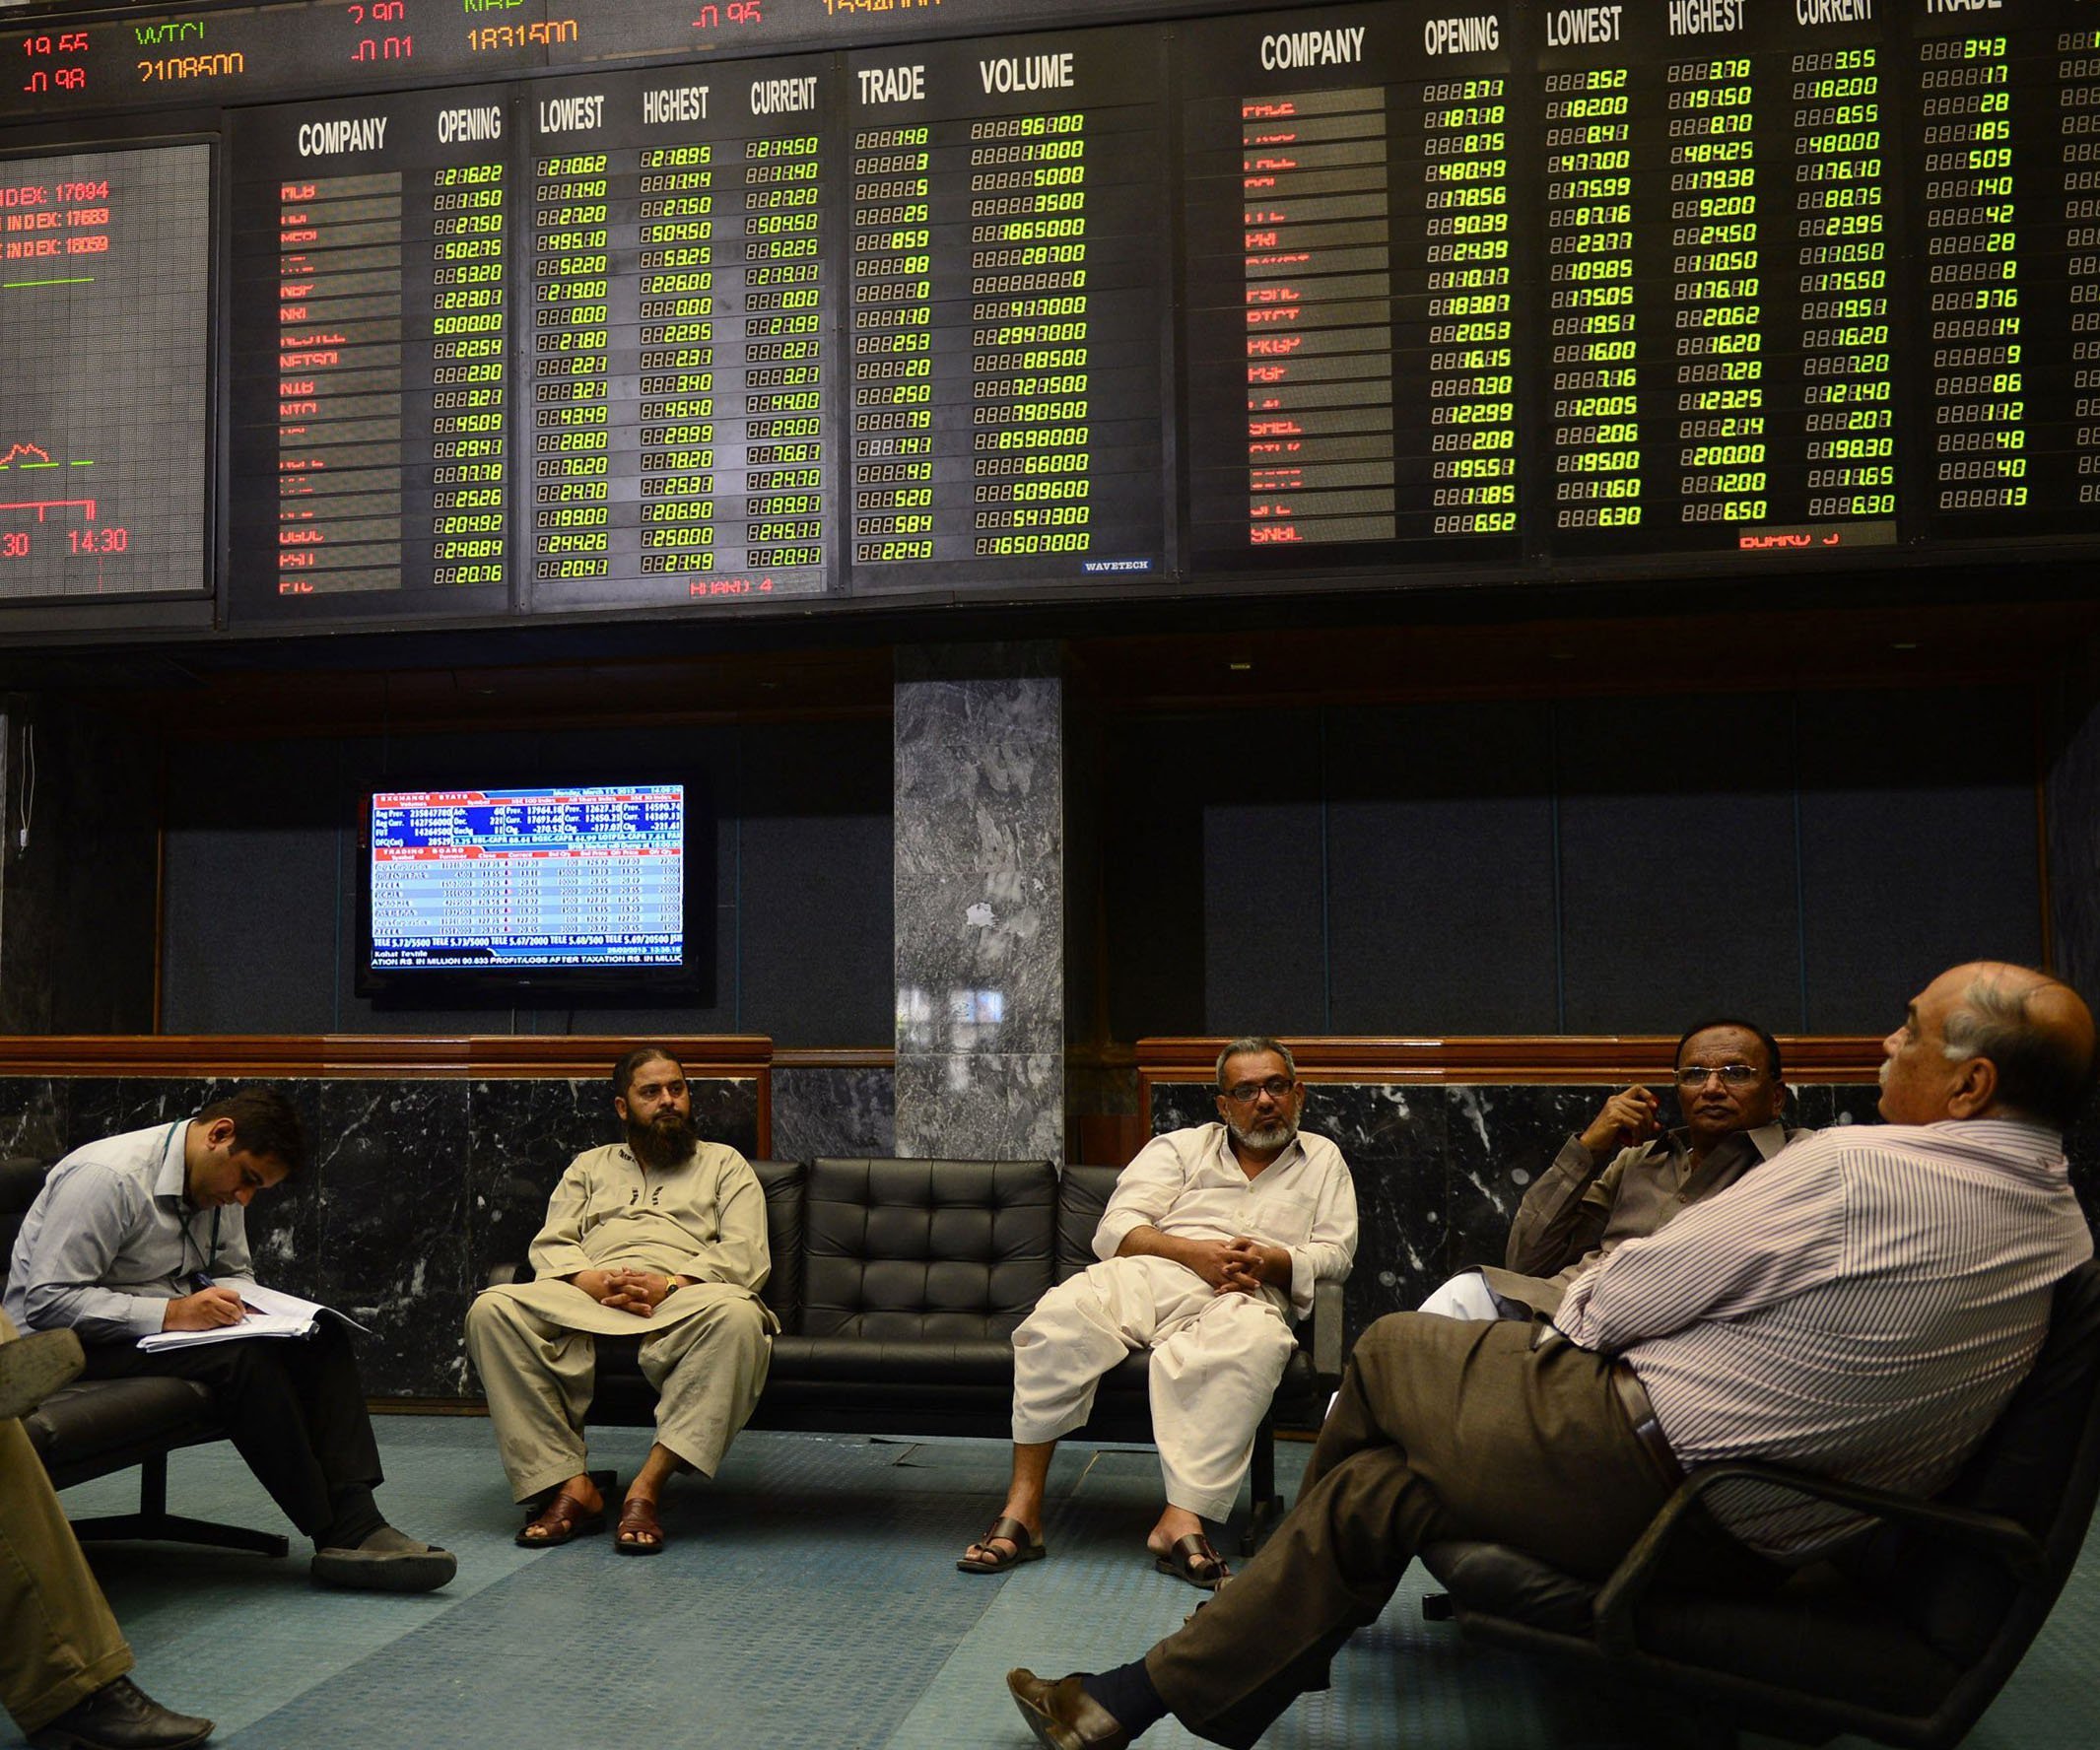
1330	1350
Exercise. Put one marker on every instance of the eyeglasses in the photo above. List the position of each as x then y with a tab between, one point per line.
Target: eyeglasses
1735	1075
1244	1093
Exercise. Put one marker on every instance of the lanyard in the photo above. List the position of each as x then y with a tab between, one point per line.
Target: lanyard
189	1241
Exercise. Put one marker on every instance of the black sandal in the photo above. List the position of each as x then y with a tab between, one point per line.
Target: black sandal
1026	1549
1193	1559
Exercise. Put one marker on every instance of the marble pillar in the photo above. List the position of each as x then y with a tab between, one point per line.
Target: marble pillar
979	902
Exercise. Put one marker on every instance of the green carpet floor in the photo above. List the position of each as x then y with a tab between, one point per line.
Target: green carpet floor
810	1601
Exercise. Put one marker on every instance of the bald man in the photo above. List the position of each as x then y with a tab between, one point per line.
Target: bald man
1860	1306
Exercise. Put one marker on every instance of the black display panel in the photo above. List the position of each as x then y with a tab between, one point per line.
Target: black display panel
684	379
551	891
1299	298
1006	320
373	308
2004	145
104	384
250	54
1721	278
1350	339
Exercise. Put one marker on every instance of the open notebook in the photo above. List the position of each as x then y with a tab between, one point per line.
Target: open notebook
271	1314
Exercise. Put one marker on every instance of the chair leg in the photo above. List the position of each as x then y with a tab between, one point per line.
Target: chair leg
153	1522
1267	1506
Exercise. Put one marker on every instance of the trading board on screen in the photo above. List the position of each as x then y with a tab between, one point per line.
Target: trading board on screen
540	886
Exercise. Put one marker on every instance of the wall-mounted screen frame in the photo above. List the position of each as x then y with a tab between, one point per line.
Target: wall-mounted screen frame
542	893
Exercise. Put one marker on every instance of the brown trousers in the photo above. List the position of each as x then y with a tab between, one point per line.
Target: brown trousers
1444	1429
58	1641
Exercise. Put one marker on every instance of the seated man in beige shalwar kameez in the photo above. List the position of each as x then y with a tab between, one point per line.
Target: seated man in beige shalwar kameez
663	1235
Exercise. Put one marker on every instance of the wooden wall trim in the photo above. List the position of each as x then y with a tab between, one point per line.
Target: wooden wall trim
834	1057
370	1054
1506	1057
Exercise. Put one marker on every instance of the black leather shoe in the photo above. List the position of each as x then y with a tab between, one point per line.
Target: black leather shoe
388	1561
34	1368
121	1715
1063	1716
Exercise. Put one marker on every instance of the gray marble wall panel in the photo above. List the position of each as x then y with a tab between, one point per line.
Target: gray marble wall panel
392	1228
841	1112
1440	1171
983	1107
416	1188
979	902
32	1116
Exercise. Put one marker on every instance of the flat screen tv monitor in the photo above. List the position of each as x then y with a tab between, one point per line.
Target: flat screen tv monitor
532	895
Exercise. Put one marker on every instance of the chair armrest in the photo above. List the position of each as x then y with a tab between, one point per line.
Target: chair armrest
514	1272
1986	1533
1330	1346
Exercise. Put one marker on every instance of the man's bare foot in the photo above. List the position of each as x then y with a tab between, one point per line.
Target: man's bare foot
1175	1523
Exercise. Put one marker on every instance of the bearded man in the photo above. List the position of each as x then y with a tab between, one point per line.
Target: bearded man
662	1236
1210	1246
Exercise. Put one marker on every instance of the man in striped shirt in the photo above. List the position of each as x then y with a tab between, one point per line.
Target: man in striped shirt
1862	1307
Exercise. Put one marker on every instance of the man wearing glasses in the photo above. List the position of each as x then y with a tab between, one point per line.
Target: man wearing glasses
1623	1177
1863	1306
1209	1249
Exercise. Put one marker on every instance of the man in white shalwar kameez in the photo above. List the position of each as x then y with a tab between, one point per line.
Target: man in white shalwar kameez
1209	1247
663	1236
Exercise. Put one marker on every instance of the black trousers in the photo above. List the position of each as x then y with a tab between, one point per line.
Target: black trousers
295	1409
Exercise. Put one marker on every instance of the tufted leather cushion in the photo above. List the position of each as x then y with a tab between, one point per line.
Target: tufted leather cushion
926	1249
786	1184
910	1361
1082	1199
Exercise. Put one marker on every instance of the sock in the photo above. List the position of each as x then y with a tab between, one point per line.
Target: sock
356	1517
1127	1693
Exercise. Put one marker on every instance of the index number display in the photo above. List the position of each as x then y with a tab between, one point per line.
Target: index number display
104	324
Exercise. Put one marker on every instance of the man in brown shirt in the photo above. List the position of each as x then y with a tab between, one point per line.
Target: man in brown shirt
1622	1178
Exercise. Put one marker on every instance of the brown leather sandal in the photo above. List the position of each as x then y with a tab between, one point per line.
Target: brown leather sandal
1027	1548
563	1517
1193	1559
640	1532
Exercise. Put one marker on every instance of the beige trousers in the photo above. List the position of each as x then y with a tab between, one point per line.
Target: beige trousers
1216	1359
58	1641
707	1369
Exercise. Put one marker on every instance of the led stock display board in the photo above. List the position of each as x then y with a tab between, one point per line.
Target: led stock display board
591	307
104	313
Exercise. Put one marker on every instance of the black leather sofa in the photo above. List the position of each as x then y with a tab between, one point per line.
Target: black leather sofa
898	1285
92	1428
